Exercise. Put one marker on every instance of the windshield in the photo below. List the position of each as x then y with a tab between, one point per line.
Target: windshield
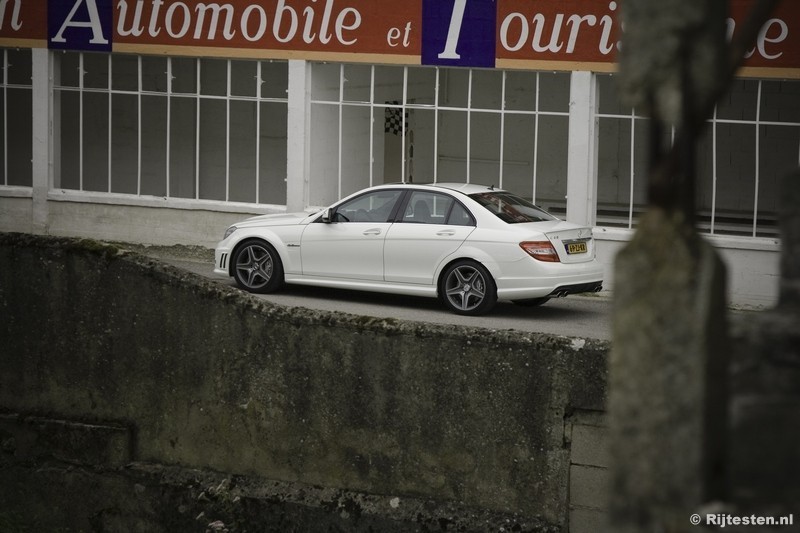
511	208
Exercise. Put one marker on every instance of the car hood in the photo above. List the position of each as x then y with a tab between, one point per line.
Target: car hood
281	219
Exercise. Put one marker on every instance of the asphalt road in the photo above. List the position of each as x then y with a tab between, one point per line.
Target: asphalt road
586	316
575	316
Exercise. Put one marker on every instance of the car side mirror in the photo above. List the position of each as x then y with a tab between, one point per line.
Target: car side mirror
326	216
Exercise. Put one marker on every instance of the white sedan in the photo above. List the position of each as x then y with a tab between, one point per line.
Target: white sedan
469	245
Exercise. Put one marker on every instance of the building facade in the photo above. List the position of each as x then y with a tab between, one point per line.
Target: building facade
162	121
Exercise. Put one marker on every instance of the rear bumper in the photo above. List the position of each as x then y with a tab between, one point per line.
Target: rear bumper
549	280
566	290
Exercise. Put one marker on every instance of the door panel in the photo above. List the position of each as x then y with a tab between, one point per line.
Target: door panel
352	245
352	250
413	251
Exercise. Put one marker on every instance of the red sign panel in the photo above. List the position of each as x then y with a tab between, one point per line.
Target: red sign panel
288	26
541	34
23	23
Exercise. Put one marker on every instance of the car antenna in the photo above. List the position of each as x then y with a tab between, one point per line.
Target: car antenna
491	187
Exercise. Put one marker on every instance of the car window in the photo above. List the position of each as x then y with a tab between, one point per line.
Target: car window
375	206
511	208
425	207
459	216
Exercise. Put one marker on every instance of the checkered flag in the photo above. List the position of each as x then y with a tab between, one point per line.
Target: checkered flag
394	119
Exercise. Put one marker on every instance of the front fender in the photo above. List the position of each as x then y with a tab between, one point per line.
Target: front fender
285	240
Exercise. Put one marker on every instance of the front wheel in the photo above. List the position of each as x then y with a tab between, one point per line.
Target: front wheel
257	267
467	288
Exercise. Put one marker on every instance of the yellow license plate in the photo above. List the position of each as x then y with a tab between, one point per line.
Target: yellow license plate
577	248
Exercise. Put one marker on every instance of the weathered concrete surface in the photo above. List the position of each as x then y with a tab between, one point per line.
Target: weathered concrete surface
204	376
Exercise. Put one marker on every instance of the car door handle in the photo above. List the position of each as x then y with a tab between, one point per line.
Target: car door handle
373	231
446	233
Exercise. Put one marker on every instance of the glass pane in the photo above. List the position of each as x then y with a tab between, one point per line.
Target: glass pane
388	84
452	146
214	77
357	83
125	72
736	167
520	90
20	148
69	68
551	165
324	144
154	74
19	67
371	207
614	172
609	97
242	163
780	101
485	149
421	85
243	78
154	145
554	92
70	141
487	89
355	148
459	216
124	143
780	146
453	87
704	189
3	177
422	144
519	145
184	75
741	101
275	79
212	163
95	142
272	175
427	208
95	68
182	148
325	82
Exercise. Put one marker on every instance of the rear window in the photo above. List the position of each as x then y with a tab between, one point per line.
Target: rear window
511	208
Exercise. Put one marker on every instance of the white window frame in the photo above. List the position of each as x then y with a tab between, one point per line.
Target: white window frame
405	106
170	95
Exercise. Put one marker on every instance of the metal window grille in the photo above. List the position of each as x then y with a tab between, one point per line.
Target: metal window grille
172	127
436	125
753	139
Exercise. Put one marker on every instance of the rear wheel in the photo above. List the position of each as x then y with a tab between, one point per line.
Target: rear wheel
467	288
257	267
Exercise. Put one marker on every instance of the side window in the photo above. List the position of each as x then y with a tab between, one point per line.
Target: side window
375	206
459	216
427	208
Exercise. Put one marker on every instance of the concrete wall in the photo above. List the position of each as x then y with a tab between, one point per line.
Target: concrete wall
170	369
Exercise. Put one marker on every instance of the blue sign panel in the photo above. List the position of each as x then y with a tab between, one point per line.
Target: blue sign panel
459	32
80	25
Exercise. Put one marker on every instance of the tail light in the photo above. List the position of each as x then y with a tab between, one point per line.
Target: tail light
541	250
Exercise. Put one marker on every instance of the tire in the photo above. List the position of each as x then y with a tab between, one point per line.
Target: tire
467	288
532	302
257	267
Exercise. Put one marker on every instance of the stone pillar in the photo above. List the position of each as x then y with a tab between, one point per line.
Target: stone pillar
667	376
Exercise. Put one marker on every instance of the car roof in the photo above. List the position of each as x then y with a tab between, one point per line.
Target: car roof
464	188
